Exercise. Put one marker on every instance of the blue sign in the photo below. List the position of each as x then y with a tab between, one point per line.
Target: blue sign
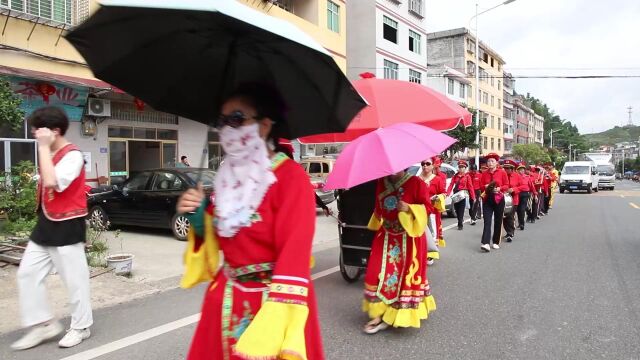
103	150
38	93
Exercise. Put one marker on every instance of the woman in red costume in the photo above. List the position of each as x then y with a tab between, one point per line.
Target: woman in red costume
397	291
436	183
260	303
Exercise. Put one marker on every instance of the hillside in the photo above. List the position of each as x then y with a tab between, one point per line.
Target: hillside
615	135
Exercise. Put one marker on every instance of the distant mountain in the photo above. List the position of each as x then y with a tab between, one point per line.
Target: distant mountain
615	135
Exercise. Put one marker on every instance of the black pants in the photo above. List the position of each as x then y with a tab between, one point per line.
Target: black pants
533	213
547	203
522	207
509	223
475	206
459	206
492	212
542	203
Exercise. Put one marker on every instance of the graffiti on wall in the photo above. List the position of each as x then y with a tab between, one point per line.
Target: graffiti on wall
38	93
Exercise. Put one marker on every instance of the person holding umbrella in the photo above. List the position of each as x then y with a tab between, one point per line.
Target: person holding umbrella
261	303
461	182
397	263
494	183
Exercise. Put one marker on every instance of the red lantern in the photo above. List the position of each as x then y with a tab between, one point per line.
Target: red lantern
139	104
367	75
46	89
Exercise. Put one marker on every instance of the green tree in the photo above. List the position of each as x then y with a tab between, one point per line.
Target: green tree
530	153
10	112
466	136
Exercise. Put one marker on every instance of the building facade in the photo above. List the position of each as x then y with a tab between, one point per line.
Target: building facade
538	129
456	49
509	113
117	133
454	84
396	49
523	121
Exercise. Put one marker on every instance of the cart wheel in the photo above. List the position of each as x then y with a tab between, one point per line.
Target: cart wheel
350	273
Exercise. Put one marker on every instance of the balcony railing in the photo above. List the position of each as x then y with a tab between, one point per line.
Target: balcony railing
59	11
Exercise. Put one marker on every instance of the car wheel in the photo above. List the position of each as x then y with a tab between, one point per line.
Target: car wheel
180	226
561	191
597	189
350	274
589	189
98	218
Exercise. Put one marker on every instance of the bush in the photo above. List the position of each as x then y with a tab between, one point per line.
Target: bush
97	247
18	192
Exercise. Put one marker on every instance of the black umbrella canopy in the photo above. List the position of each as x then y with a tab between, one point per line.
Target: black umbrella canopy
184	61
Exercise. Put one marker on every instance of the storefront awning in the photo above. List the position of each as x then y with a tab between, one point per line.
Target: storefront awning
65	79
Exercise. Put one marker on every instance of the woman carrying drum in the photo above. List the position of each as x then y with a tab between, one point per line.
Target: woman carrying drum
494	183
462	187
435	187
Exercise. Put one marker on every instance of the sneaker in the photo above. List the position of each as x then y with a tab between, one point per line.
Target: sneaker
522	227
473	222
485	247
460	227
38	335
508	238
430	261
495	246
74	337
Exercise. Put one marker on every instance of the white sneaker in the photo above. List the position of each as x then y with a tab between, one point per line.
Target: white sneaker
430	262
495	246
485	247
38	335
74	337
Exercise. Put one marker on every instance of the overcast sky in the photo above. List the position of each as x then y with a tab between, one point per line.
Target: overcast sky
562	37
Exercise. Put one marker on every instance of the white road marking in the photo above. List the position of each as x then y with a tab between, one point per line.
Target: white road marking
174	325
634	205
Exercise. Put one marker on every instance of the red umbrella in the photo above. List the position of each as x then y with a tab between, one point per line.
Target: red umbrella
393	101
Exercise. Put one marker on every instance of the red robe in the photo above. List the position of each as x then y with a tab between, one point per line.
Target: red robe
464	183
396	284
437	186
271	287
514	180
475	176
499	176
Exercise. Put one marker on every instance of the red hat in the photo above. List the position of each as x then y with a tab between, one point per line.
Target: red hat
492	156
436	161
286	144
463	163
510	163
533	168
521	165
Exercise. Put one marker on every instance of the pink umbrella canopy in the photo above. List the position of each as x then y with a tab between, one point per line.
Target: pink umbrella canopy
385	151
394	101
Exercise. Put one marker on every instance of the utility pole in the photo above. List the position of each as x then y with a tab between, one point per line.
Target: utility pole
630	119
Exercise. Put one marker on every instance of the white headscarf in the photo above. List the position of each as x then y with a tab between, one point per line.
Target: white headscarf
243	178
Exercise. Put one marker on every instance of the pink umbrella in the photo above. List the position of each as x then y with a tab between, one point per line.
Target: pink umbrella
385	151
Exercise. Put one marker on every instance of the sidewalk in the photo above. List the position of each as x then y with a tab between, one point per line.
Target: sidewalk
157	267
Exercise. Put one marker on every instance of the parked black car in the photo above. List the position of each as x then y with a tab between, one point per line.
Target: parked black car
148	199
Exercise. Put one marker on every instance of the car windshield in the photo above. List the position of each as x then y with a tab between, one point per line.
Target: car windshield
414	170
606	170
206	178
575	170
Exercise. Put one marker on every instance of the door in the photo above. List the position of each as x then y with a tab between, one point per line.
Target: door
126	208
159	203
118	167
169	154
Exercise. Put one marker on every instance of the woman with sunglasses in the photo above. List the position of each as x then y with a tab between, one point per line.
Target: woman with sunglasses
461	182
260	303
436	186
397	291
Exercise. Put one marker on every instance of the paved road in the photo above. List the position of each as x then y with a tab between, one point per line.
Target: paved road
568	287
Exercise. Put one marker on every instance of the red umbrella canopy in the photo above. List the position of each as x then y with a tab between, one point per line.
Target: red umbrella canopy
394	101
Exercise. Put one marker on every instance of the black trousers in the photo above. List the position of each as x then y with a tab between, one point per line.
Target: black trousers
533	212
547	203
509	223
475	208
459	206
492	212
522	206
542	203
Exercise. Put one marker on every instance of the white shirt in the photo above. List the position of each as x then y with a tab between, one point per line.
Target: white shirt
68	169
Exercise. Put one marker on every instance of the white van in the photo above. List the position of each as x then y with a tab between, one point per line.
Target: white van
579	175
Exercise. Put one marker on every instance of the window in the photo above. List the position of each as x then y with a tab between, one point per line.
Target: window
485	98
471	68
138	182
492	80
415	41
450	87
492	124
485	143
333	16
499	144
415	76
499	104
499	84
390	29
491	62
470	92
415	6
499	123
390	70
462	90
166	181
505	129
56	10
492	143
492	100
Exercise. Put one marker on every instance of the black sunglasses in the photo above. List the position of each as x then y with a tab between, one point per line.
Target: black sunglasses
425	163
234	120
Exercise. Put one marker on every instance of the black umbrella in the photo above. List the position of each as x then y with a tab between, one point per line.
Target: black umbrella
183	56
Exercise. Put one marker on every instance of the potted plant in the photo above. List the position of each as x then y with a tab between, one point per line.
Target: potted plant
121	262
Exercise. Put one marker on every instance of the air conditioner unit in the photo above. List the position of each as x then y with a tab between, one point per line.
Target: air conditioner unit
98	107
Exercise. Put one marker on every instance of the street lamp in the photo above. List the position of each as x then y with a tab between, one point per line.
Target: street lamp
477	94
551	136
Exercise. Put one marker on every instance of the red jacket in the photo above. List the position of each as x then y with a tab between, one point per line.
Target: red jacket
475	176
68	204
499	176
537	180
515	182
436	185
527	183
464	183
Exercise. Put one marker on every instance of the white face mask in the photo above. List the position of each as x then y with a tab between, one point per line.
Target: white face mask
243	178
